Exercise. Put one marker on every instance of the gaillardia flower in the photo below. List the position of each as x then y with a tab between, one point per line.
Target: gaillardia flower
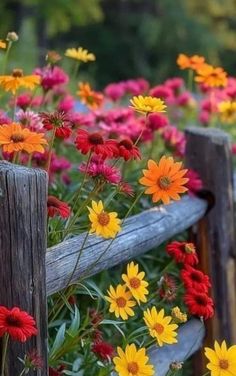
57	207
183	252
135	282
160	326
146	105
195	279
80	54
18	80
165	181
94	142
199	304
121	302
132	362
103	223
222	360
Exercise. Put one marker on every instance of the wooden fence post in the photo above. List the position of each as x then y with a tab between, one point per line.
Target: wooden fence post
208	152
23	197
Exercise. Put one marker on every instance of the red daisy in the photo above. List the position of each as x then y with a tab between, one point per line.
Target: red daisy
103	350
94	142
183	252
18	324
128	150
199	304
195	279
57	207
58	120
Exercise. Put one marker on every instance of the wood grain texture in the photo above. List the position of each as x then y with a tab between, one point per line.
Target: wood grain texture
140	234
23	197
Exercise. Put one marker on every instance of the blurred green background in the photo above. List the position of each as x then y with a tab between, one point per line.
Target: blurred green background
131	38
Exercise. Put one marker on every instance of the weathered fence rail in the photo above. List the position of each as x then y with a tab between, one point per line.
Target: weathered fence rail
28	272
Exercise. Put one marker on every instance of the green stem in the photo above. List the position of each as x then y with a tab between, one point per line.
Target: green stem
50	150
14	107
207	373
4	352
190	80
6	57
29	160
22	372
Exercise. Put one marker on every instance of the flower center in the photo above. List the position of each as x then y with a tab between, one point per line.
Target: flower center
224	364
17	73
201	300
13	321
189	248
96	139
121	302
103	218
17	137
196	276
133	368
159	328
127	144
135	283
164	182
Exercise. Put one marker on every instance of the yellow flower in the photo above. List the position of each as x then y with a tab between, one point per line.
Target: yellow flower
145	105
103	223
227	110
17	80
222	360
120	302
211	76
178	316
132	362
80	54
135	283
160	327
3	44
89	97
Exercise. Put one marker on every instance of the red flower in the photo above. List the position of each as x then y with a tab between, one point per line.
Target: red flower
56	372
103	350
58	120
126	189
33	360
18	324
199	304
195	279
128	150
194	183
168	288
95	316
183	252
57	207
94	142
99	169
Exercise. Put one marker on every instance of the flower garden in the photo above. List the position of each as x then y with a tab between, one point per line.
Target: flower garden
108	156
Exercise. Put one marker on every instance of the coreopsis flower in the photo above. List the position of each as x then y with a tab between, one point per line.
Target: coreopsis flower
3	44
133	362
146	105
135	282
102	171
103	350
17	80
57	207
183	252
222	360
18	324
128	150
195	183
92	99
30	119
190	62
167	288
14	138
211	76
178	316
51	77
195	279
160	326
227	111
80	54
164	181
199	304
103	223
94	142
57	120
121	302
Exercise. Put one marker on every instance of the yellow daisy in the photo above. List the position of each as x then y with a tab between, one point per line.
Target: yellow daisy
135	283
120	302
103	223
80	54
17	80
160	327
178	316
132	362
227	110
3	45
222	360
146	105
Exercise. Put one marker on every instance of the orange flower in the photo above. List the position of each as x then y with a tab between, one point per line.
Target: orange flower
17	79
164	180
14	138
190	62
89	97
211	76
3	44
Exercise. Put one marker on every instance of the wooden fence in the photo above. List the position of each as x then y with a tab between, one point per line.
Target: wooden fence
29	272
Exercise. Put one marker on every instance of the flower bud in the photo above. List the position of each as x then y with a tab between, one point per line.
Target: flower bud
12	36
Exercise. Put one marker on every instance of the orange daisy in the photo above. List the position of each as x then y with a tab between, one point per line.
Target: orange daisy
92	99
14	138
190	62
17	80
164	180
211	76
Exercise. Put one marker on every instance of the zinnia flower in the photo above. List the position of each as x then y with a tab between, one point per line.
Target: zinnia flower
57	207
190	62
18	324
80	54
135	282
103	350
121	302
128	150
227	110
132	362
89	97
101	170
210	76
103	223
165	181
57	120
222	360
160	326
183	252
30	119
18	80
146	105
14	138
195	279
199	304
51	77
94	142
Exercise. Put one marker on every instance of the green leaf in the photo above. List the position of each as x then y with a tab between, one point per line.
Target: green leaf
73	329
60	338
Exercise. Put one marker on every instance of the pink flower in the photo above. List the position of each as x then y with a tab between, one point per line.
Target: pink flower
51	77
156	121
24	100
66	104
30	119
174	138
126	189
161	91
184	99
233	149
194	183
77	119
114	91
59	164
4	119
99	169
175	83
143	85
204	117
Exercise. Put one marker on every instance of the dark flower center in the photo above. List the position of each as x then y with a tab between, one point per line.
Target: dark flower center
135	282
159	328
103	218
201	300
95	139
121	302
17	73
164	182
17	137
224	364
133	368
196	276
13	321
127	144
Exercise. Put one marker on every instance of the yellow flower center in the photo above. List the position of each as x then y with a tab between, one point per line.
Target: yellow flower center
103	218
159	328
135	283
17	73
224	364
133	368
189	248
121	302
164	182
17	137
